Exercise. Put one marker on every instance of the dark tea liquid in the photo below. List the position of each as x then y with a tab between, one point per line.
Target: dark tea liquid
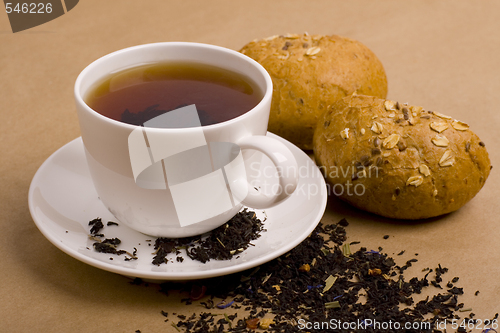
141	93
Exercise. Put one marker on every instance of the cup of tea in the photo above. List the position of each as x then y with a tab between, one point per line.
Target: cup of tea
168	130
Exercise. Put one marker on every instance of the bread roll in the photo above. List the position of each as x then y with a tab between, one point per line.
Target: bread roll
311	72
397	160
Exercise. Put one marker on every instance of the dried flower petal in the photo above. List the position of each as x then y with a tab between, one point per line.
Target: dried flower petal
265	323
374	271
252	323
223	305
305	268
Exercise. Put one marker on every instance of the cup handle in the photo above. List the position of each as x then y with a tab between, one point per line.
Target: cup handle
283	159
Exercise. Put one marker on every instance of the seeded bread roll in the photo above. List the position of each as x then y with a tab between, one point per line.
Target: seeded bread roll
397	160
311	72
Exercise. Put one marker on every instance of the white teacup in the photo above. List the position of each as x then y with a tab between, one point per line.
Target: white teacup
135	190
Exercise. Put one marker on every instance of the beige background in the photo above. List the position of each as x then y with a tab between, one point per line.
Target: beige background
442	55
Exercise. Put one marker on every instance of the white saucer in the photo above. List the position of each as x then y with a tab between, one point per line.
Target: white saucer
62	200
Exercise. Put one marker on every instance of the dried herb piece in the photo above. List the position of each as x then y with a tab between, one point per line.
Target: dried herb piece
330	280
346	250
332	305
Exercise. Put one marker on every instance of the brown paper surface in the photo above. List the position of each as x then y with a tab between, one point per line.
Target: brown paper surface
442	55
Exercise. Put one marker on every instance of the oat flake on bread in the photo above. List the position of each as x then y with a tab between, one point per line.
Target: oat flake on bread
311	72
410	163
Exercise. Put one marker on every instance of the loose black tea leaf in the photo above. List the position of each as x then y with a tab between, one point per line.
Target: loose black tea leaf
97	225
223	243
109	245
339	286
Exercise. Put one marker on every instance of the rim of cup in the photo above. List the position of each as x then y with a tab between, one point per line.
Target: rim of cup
267	91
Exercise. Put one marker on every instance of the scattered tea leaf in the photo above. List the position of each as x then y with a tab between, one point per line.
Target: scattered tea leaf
280	290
